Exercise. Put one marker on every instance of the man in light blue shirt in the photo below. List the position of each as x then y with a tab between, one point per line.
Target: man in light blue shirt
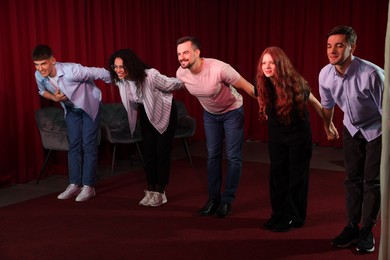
356	86
73	86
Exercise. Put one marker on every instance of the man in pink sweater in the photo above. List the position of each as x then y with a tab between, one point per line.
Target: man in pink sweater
214	83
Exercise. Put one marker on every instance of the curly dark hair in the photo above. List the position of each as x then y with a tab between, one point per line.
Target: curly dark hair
289	86
133	65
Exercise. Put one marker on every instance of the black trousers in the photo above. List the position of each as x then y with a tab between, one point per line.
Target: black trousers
290	156
362	183
157	148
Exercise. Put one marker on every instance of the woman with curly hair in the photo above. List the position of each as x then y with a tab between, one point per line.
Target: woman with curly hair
147	91
283	95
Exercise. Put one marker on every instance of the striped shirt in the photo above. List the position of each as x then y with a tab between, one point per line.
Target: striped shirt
156	98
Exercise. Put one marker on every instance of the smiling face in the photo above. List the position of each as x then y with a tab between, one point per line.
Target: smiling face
339	51
46	67
186	55
268	66
119	68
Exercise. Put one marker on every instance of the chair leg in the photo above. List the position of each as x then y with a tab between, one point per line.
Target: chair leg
140	155
187	150
43	166
113	160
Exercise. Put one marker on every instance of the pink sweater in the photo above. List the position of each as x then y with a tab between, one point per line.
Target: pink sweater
212	86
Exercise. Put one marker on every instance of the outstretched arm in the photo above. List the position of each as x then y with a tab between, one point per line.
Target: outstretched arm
330	129
246	86
327	117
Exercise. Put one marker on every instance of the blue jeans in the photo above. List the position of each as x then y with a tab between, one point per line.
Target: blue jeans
230	126
83	136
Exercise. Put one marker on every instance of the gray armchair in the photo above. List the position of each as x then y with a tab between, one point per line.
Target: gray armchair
186	126
115	128
52	128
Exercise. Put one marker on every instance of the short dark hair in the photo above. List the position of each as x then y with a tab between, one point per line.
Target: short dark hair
42	52
194	41
348	31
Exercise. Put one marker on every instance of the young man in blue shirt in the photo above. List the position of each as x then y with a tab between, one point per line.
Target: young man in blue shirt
73	86
356	86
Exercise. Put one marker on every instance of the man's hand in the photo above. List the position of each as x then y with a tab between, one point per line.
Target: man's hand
58	96
331	132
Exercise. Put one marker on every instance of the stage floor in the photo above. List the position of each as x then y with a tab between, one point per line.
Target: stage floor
326	158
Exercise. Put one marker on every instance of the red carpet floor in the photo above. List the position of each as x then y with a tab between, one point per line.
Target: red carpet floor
113	226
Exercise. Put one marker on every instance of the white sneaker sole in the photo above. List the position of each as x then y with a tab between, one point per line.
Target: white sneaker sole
366	250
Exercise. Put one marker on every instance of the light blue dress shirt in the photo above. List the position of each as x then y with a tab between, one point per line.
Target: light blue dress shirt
77	83
358	93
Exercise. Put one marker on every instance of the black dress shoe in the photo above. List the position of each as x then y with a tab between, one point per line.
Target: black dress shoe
210	208
298	223
271	223
286	225
283	225
224	209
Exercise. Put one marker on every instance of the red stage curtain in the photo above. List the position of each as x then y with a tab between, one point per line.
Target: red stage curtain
235	31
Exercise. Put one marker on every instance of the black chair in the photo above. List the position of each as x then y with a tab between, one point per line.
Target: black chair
186	126
115	128
52	128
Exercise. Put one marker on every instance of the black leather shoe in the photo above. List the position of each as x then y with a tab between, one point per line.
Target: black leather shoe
210	208
271	223
287	224
283	225
224	209
298	223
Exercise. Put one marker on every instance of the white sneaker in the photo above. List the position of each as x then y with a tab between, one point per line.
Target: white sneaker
158	199
148	196
164	197
71	190
86	193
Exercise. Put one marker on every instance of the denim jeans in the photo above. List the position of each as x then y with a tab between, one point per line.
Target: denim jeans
230	126
83	146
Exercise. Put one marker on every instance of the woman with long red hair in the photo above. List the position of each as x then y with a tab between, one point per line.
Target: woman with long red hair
283	95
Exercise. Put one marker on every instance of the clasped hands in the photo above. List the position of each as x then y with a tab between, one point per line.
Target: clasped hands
331	132
58	96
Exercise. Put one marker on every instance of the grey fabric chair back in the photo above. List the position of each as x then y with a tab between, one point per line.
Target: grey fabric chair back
186	126
115	128
52	128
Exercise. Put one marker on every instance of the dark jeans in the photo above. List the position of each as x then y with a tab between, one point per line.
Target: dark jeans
362	186
157	148
228	126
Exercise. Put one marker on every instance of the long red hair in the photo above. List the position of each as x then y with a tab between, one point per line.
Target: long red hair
289	85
